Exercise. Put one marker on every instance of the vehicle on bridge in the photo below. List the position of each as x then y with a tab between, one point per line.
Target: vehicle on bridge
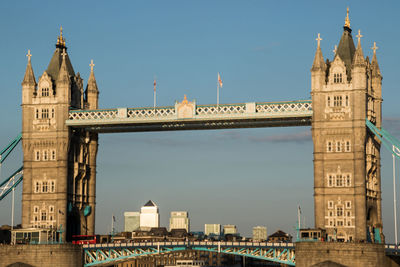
85	239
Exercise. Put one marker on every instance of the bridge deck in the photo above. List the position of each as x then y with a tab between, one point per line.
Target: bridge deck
184	116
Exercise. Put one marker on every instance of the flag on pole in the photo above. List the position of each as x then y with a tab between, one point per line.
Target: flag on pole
155	85
219	80
113	217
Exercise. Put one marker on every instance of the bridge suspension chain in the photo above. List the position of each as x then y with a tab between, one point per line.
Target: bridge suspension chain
9	184
388	141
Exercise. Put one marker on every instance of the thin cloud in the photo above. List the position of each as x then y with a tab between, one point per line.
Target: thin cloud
300	137
392	125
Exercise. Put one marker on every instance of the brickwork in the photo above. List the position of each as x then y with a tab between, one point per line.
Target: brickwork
65	255
347	254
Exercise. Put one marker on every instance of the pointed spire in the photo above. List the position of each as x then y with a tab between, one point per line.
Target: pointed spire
92	85
358	59
63	75
347	20
318	63
29	77
374	63
346	48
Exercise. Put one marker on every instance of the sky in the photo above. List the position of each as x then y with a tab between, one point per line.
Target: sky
263	50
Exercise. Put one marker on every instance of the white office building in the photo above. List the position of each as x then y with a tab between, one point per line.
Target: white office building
212	229
179	220
230	229
149	216
132	221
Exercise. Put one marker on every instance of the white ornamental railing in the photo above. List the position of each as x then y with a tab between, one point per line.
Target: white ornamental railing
303	108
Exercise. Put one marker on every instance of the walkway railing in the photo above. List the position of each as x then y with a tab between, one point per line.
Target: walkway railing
186	114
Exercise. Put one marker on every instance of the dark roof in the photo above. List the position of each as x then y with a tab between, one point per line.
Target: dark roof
279	233
55	64
150	204
346	49
159	231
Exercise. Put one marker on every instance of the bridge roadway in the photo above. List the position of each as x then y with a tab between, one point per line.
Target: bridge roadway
189	116
114	253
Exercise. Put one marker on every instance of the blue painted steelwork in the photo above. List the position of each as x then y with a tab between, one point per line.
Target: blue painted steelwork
388	141
101	254
16	178
11	182
10	147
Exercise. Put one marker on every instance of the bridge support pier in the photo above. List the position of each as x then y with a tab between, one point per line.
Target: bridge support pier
309	254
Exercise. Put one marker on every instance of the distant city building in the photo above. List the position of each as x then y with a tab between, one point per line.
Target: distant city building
132	221
212	229
259	233
280	236
230	229
149	216
179	220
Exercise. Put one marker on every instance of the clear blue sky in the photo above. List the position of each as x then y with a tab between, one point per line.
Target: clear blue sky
263	50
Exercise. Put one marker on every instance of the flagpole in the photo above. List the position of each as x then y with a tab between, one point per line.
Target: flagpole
154	98
112	224
12	205
394	197
155	93
217	93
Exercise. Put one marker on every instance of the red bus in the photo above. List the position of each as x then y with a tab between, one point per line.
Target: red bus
85	239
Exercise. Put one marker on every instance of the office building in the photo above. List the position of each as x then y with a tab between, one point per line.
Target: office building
132	221
179	220
149	216
259	233
212	229
230	229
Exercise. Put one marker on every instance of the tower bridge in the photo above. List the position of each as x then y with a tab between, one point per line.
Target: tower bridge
61	121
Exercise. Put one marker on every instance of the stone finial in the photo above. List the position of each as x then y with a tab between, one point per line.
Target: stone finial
91	65
63	54
29	55
359	36
374	48
319	40
335	49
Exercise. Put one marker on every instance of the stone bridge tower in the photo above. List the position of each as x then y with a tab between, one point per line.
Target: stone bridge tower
59	163
347	181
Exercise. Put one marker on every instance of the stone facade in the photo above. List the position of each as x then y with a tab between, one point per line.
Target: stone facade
59	163
309	254
41	255
347	182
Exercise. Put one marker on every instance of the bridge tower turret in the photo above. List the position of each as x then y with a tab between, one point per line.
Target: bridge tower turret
347	198
59	184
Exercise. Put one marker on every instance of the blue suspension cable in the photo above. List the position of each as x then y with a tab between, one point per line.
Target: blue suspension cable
10	147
